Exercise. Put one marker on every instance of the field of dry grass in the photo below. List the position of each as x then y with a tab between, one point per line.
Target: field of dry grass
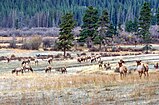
96	89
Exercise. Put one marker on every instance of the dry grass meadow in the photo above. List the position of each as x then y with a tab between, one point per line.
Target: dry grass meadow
86	89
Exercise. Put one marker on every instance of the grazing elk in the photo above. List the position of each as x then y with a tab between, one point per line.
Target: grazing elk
27	67
142	68
100	64
16	70
36	61
122	70
48	69
62	70
49	60
107	66
24	62
93	59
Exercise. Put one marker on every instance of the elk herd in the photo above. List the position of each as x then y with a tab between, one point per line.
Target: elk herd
26	66
122	69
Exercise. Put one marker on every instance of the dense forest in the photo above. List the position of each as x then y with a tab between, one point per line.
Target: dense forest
47	13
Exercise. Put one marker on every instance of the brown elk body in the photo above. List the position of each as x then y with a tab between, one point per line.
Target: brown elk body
142	69
17	70
122	70
48	69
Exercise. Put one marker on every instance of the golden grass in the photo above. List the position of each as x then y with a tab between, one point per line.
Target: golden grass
37	81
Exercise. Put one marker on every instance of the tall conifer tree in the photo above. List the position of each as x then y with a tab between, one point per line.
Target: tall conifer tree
66	37
90	26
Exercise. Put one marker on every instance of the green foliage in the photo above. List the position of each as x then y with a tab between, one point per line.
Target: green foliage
145	22
47	13
90	24
111	31
131	26
103	24
158	16
66	37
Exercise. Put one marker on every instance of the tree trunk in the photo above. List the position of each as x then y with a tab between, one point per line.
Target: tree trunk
147	48
89	42
100	46
64	53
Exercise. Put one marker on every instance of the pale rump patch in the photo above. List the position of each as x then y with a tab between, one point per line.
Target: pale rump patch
140	68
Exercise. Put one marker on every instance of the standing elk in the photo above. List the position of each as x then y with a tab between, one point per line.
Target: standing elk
100	64
122	69
156	66
142	69
36	61
49	60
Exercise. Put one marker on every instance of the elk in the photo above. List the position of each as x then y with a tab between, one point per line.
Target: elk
156	66
49	60
100	64
122	70
16	70
107	66
48	69
27	67
142	69
62	70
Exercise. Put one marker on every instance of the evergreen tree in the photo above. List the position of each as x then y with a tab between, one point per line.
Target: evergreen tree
111	31
158	16
66	37
90	26
145	22
103	24
135	25
47	13
129	26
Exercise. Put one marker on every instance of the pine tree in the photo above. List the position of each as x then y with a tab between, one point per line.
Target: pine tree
103	24
135	25
158	16
129	26
90	26
66	37
111	31
145	22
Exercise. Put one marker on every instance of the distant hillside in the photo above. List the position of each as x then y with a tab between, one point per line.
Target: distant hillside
47	13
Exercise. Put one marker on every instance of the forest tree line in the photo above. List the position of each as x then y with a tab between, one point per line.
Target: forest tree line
48	13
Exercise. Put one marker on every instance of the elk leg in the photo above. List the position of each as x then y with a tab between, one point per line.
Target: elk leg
120	75
140	75
147	73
